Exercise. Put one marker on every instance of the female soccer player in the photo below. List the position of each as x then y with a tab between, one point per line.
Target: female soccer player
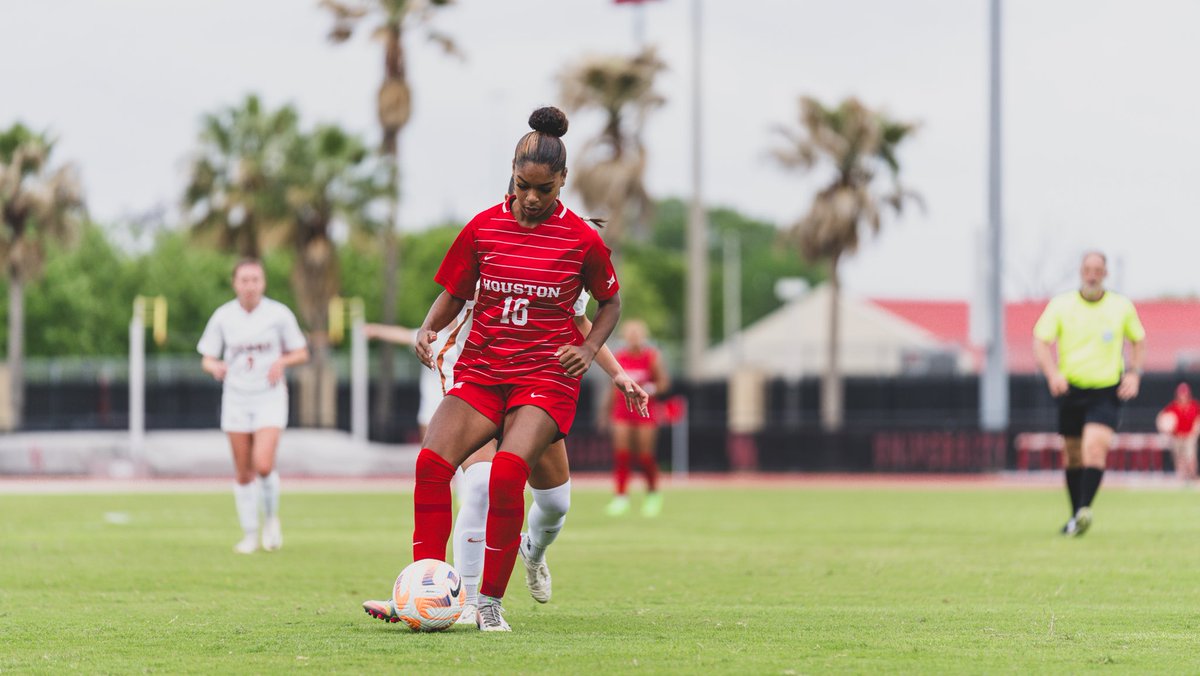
1183	411
637	433
248	344
520	368
551	490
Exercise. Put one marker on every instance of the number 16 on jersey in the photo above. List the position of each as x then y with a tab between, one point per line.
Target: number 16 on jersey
516	311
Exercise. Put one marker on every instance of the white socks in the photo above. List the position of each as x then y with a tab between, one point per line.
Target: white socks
245	497
470	526
270	494
546	518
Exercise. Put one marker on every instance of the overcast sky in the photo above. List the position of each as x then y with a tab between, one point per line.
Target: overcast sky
1101	130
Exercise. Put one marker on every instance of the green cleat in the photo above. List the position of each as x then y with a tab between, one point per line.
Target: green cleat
652	507
618	507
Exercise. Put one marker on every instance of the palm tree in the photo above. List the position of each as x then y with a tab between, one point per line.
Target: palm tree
38	205
609	174
330	179
856	143
393	107
260	183
236	191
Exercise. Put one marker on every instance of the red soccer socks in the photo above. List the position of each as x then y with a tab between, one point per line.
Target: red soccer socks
506	512
432	507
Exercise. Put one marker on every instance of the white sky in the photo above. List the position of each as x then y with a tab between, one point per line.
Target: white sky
1101	129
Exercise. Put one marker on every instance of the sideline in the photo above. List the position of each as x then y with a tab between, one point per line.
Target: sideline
402	483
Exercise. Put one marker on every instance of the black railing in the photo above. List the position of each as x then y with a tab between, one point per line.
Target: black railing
891	424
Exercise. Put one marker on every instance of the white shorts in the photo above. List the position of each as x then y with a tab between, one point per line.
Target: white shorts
253	411
431	395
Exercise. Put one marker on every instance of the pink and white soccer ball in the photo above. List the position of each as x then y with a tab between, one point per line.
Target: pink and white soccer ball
429	595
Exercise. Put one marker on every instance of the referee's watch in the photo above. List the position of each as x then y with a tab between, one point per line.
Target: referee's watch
1137	372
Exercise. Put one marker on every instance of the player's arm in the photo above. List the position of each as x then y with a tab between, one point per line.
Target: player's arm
1043	352
215	367
1131	382
635	397
443	311
286	360
576	359
400	335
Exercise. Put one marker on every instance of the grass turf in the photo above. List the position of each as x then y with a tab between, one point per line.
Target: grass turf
771	580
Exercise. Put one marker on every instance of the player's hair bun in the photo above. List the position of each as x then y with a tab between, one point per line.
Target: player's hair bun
550	121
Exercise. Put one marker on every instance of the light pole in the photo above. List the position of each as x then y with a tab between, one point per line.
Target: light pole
993	385
696	336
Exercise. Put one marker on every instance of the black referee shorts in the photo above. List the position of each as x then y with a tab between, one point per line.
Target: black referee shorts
1081	405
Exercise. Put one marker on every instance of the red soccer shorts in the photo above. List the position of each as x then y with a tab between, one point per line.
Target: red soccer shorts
622	414
495	401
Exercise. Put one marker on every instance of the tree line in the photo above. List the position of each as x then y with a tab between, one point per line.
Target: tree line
82	303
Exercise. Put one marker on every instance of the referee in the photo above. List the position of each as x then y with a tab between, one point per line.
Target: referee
1089	381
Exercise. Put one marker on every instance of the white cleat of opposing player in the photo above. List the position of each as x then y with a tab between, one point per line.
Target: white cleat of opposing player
537	574
468	616
272	535
247	545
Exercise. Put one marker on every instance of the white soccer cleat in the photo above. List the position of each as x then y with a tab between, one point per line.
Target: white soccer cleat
247	545
1083	520
537	575
490	616
468	616
272	535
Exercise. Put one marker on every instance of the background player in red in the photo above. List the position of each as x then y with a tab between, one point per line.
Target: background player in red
634	437
1178	419
520	368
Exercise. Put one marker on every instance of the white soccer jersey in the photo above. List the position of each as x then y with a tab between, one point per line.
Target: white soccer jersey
249	342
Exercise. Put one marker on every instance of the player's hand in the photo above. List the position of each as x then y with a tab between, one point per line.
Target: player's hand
576	359
218	371
636	398
1131	382
371	331
1058	384
423	347
275	373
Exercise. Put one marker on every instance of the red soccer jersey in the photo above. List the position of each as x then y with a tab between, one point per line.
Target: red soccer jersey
528	282
1185	416
640	367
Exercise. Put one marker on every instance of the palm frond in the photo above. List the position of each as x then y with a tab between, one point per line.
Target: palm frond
857	142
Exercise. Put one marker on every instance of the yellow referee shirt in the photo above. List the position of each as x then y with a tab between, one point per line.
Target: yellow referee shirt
1090	336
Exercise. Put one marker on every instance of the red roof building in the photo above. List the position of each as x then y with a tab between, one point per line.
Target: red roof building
1172	329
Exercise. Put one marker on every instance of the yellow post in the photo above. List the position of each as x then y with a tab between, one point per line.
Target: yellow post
160	320
337	320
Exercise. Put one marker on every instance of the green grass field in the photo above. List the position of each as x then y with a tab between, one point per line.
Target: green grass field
769	580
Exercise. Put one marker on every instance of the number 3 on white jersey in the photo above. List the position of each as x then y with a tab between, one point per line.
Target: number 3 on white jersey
516	311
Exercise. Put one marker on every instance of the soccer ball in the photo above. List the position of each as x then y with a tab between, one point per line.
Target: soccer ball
1166	422
429	595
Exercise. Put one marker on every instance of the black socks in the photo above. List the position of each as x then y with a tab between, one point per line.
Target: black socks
1074	486
1089	485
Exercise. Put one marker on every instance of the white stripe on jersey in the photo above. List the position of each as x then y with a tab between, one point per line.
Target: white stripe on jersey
533	258
530	246
530	234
